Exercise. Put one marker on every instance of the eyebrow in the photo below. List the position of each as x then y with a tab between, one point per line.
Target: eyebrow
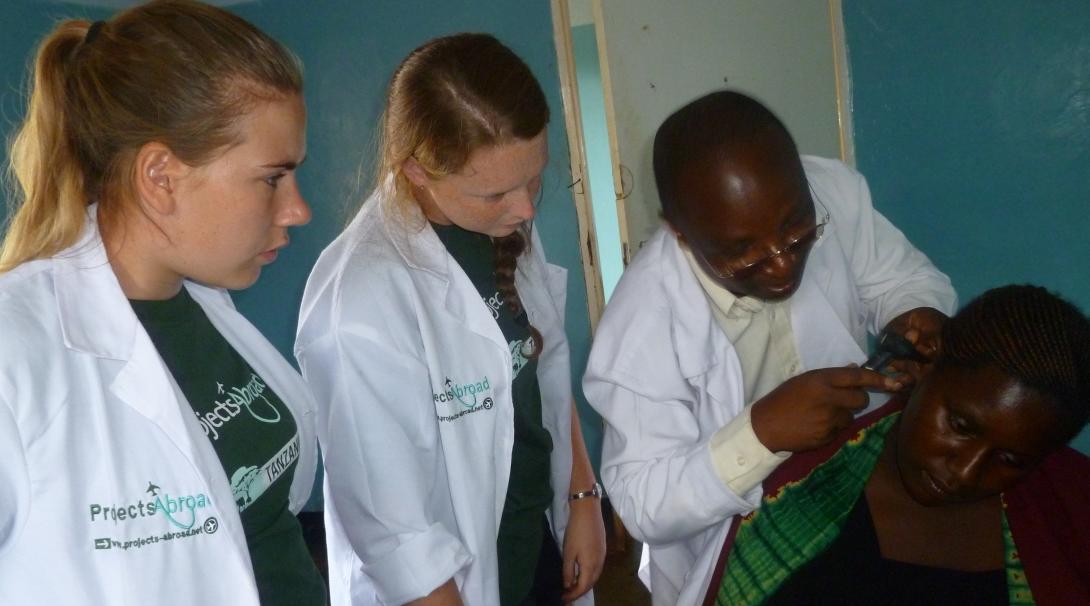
739	247
286	165
801	212
734	248
504	192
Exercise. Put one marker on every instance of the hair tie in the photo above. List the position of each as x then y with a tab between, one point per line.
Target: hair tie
92	32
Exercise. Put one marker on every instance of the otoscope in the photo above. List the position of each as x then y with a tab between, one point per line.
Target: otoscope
892	346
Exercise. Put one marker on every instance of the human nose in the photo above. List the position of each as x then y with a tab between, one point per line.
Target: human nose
965	467
294	210
523	206
780	263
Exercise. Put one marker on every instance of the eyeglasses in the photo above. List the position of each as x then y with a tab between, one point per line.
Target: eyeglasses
742	268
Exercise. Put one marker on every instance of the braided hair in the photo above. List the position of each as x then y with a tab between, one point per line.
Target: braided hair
450	97
1032	335
506	253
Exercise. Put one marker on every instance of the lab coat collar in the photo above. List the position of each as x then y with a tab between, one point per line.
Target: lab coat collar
412	236
695	327
96	319
87	296
421	249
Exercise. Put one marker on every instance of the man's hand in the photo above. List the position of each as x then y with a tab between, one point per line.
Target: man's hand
923	328
807	411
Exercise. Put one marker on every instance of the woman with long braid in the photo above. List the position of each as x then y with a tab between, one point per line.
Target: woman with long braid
432	333
966	494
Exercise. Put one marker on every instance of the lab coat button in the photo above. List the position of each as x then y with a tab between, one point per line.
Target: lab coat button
741	461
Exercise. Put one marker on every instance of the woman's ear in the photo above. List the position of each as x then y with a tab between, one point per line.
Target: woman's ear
157	173
415	172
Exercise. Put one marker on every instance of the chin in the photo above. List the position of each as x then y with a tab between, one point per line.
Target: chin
240	281
503	232
915	482
923	496
779	294
244	283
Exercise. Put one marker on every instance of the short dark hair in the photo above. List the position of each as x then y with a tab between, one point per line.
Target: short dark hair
715	126
1034	336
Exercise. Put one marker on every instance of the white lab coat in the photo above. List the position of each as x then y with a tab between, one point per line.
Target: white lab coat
415	478
94	430
665	378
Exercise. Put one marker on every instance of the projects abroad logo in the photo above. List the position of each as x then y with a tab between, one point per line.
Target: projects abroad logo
180	511
233	402
470	396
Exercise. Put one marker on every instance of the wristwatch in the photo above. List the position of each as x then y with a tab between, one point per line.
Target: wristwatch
595	491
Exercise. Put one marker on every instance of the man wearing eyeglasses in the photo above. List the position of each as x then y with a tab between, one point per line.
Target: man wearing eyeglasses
724	347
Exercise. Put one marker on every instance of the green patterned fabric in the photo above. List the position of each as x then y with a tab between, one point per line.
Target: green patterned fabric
1017	584
800	519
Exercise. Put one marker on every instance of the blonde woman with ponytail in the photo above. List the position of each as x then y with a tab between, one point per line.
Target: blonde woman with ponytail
154	447
432	334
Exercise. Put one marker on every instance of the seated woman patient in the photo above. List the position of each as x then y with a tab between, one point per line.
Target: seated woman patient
965	493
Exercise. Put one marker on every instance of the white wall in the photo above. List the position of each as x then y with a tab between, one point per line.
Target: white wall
661	55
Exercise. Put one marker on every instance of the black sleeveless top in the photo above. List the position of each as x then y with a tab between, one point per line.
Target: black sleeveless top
852	571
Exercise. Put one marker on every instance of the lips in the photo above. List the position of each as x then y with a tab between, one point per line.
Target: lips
783	288
940	488
270	255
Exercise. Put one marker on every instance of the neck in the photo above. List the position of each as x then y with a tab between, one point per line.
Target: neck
130	247
887	460
428	206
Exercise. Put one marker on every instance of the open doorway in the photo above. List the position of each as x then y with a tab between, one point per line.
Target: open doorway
601	227
592	159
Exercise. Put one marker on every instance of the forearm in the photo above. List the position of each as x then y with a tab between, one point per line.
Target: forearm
381	460
582	473
445	595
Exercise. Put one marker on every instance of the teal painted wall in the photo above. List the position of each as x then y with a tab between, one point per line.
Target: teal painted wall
972	125
599	177
349	50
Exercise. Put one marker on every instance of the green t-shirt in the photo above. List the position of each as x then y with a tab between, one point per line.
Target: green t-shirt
254	435
529	492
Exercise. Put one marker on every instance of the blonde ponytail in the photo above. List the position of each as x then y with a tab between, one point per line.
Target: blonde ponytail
47	211
178	72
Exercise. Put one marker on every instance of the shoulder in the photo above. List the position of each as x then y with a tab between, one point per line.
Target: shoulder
645	284
359	281
642	310
34	360
828	170
842	191
1071	465
362	253
836	184
28	308
26	279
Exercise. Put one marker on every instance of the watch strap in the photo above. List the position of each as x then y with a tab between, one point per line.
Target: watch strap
595	491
